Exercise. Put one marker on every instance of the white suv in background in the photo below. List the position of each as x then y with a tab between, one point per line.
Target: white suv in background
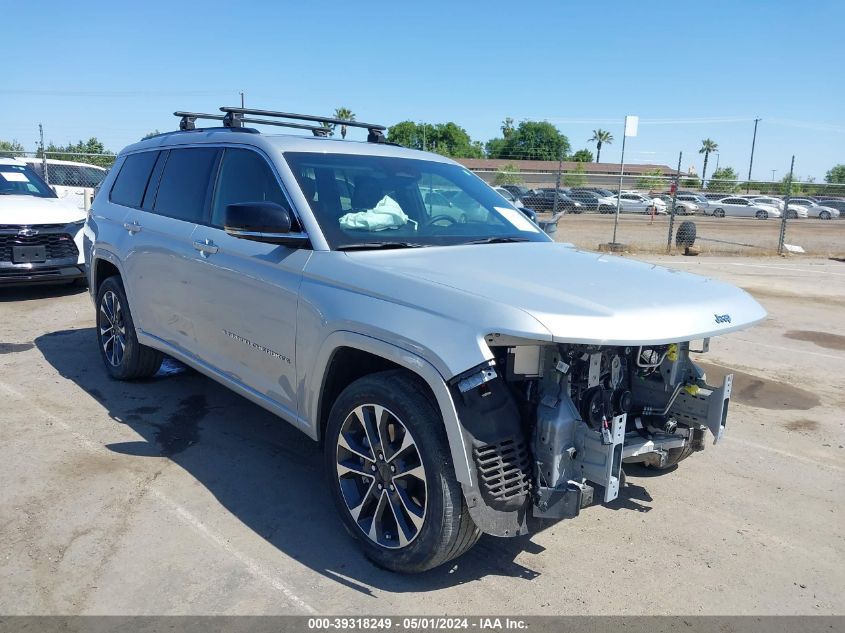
69	179
40	233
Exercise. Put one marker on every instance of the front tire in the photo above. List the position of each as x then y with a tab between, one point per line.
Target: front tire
124	357
719	213
824	215
391	475
762	215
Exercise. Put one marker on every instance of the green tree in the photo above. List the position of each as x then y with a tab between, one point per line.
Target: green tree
507	127
836	175
690	182
600	137
328	127
507	175
448	139
150	134
724	179
91	151
530	140
582	156
575	178
707	146
10	149
651	180
345	114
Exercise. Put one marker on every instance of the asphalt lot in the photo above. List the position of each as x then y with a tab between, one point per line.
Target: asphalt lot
175	496
721	236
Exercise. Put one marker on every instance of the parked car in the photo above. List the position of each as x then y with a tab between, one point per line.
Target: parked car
451	396
518	190
604	193
715	195
682	207
834	203
815	209
516	202
543	200
40	233
638	203
69	179
697	199
591	201
795	210
743	208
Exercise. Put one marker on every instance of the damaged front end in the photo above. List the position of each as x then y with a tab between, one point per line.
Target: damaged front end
550	425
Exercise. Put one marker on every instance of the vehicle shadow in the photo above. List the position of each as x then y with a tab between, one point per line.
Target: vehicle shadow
262	470
32	292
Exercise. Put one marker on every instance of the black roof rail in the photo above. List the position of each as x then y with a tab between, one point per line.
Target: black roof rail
236	116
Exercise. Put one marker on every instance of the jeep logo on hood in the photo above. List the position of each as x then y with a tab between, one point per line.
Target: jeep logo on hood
722	318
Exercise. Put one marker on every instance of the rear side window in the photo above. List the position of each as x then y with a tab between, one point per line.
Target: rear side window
183	188
244	176
128	188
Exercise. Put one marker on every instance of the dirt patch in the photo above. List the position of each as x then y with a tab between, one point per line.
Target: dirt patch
802	425
767	293
12	348
822	339
761	392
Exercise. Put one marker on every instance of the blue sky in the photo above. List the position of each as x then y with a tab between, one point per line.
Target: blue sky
117	70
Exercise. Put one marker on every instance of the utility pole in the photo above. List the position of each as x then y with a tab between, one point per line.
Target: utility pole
751	162
43	155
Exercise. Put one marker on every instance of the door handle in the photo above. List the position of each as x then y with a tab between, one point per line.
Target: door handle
206	247
133	228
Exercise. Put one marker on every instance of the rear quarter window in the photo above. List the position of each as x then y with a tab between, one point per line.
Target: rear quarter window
131	182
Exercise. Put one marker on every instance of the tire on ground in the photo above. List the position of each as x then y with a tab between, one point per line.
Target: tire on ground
447	530
139	361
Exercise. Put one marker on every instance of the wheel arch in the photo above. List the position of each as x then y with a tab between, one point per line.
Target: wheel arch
104	265
346	356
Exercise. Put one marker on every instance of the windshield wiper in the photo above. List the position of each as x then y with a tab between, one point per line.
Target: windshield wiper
362	246
497	240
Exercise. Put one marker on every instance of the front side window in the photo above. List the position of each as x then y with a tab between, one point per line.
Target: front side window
244	176
364	201
184	183
21	180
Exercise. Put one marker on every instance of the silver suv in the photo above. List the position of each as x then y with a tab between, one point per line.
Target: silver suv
387	303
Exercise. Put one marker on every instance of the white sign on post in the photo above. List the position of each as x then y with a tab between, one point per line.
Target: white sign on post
631	123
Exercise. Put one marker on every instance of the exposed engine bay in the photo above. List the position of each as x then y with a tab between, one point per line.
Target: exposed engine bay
551	425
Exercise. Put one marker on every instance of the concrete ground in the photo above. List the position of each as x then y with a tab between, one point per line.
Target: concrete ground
175	496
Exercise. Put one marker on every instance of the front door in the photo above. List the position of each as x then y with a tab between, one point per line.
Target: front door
246	292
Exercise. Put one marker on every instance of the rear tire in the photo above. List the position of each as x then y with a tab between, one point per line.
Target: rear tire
124	357
791	215
719	213
384	430
762	215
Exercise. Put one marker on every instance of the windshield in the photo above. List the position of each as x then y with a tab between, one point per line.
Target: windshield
20	180
379	201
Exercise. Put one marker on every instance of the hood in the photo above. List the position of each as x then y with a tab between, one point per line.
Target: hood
577	296
33	210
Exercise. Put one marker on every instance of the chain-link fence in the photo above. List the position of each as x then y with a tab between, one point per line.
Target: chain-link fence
730	216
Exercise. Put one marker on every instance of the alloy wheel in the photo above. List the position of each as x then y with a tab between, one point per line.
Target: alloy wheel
381	476
112	329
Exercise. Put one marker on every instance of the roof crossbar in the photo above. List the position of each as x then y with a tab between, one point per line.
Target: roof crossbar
236	115
189	119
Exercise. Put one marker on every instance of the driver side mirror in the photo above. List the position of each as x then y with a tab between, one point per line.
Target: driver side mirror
266	222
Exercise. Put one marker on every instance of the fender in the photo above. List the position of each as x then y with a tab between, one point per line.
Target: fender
313	388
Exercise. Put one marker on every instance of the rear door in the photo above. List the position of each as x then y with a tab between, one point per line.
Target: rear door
245	293
162	252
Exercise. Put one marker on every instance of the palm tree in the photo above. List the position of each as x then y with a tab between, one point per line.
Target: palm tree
346	115
600	137
707	146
